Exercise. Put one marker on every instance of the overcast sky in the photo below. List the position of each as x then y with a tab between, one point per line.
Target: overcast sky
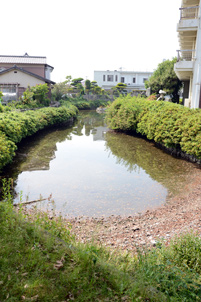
80	36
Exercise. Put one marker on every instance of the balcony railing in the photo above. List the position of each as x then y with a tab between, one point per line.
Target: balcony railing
186	55
189	12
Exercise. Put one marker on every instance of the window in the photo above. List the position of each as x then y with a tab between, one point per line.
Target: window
122	79
8	89
133	80
144	80
110	78
116	78
104	78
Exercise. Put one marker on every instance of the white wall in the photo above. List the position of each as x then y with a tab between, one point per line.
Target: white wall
16	76
128	78
197	69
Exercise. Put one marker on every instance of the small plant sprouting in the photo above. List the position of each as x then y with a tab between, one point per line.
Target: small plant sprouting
7	186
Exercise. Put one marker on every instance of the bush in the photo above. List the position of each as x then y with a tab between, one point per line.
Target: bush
35	96
14	126
169	124
7	150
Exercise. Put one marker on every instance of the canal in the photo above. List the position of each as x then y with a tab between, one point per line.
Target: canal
91	171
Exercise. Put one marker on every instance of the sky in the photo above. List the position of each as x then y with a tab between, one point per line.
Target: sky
80	36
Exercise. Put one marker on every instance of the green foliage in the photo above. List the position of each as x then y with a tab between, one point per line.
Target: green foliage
7	150
40	261
35	96
73	89
1	95
14	126
59	90
77	81
40	94
88	84
166	79
120	88
166	123
97	90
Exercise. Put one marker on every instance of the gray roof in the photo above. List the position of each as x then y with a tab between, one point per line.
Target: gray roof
26	59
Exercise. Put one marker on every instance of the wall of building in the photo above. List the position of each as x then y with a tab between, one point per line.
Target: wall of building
38	69
16	76
197	68
108	79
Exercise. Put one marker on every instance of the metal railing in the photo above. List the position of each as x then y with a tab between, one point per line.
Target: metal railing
189	12
186	55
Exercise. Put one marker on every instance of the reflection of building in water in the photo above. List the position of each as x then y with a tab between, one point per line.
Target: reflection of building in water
99	133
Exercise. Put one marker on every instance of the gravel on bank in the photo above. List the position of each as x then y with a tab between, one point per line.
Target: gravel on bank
181	214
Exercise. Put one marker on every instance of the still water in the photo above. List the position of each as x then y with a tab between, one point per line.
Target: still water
91	171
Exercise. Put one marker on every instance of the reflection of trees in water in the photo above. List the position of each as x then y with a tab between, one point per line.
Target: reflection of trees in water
36	152
88	120
136	153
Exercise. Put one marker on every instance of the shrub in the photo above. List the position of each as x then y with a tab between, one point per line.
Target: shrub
7	150
169	124
14	126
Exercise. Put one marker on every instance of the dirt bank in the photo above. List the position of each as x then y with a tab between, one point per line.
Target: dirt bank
180	214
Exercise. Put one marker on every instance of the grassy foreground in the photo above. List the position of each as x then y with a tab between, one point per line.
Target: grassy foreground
41	261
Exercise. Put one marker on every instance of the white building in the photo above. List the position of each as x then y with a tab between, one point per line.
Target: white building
133	79
188	66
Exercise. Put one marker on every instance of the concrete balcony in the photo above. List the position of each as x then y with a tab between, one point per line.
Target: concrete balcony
188	18
185	63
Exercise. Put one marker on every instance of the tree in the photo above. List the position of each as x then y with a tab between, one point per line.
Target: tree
76	83
120	88
88	85
68	79
164	78
36	95
40	94
96	89
59	90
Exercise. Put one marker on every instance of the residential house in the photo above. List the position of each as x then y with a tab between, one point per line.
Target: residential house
135	80
188	66
19	72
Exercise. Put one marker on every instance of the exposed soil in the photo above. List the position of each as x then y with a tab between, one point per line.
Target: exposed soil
182	213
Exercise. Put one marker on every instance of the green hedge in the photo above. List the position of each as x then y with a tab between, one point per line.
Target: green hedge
169	124
14	126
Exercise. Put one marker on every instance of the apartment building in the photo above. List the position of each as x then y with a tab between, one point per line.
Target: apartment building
135	80
188	66
19	72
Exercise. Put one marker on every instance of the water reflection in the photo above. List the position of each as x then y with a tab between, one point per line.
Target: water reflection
137	153
93	172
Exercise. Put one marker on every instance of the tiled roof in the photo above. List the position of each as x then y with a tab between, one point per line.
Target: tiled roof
22	59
